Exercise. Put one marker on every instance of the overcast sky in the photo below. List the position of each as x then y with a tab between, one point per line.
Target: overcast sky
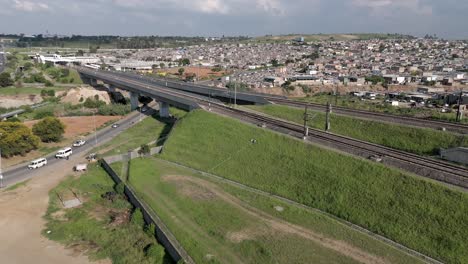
446	18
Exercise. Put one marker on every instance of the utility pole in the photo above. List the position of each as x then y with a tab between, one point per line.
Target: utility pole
306	118
1	175
459	114
327	122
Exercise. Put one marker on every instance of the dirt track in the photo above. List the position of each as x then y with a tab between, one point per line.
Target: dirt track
21	221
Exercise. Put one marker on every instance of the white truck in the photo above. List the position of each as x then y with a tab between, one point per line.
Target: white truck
80	167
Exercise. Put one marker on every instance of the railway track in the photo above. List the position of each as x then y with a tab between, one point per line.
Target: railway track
423	166
406	120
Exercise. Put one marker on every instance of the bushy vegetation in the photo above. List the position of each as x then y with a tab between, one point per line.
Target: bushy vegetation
420	214
114	109
416	140
101	225
5	79
16	139
49	129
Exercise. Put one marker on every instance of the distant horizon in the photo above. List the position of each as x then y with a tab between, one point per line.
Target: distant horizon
420	35
446	19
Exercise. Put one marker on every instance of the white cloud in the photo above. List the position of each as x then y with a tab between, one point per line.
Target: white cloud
273	7
30	6
379	7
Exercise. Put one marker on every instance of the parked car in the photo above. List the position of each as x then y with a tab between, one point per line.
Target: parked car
64	153
80	167
91	157
79	143
37	163
115	125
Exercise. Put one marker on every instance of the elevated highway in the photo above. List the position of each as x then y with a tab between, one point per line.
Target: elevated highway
137	89
203	90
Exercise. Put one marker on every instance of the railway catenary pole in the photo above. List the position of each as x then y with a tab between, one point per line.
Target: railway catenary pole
327	121
306	118
459	114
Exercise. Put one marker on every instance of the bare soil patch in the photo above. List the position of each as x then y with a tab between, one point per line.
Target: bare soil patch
189	189
78	94
79	125
19	100
22	221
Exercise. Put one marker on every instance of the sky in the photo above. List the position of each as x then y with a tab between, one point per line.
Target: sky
446	18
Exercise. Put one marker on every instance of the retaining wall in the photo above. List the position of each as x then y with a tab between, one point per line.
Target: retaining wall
163	234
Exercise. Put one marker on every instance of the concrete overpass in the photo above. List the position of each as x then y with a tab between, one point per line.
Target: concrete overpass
204	90
136	89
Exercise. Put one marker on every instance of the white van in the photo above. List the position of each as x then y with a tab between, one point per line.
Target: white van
63	153
37	163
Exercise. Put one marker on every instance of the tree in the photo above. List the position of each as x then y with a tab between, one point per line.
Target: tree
80	53
275	63
5	79
49	129
16	139
162	65
181	71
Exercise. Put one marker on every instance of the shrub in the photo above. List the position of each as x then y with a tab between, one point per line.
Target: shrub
155	252
120	188
43	113
5	79
150	230
137	218
16	139
93	103
144	149
48	83
49	129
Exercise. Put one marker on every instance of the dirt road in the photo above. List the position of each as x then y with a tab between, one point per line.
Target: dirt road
21	221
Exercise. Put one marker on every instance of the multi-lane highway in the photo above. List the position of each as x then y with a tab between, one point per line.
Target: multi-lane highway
21	172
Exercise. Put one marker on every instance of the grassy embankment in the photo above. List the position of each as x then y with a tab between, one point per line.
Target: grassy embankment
379	106
219	223
100	227
421	214
149	129
416	140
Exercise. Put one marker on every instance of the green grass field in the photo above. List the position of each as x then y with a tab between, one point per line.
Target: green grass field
416	140
250	229
100	227
149	129
421	214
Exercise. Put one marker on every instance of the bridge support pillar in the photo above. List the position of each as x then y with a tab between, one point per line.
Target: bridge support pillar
111	88
133	100
93	82
164	109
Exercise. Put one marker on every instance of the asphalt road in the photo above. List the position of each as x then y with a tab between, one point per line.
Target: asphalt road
21	172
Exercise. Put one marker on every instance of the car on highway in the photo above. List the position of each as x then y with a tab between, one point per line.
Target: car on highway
64	153
79	143
37	163
115	125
